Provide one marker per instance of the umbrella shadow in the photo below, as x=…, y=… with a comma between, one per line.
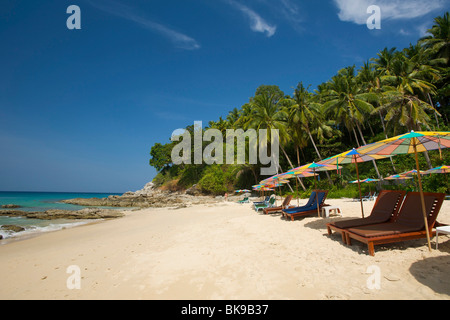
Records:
x=433, y=273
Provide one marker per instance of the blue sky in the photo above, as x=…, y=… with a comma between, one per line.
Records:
x=80, y=109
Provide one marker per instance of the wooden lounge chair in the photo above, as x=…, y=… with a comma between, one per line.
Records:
x=385, y=208
x=407, y=225
x=317, y=198
x=284, y=205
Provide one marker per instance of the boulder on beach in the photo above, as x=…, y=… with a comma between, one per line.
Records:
x=84, y=214
x=11, y=206
x=13, y=228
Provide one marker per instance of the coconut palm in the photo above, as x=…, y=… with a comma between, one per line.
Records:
x=439, y=39
x=305, y=117
x=348, y=103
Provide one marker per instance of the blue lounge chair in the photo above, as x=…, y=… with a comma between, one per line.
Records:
x=316, y=202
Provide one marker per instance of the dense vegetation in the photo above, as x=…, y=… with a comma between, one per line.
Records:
x=391, y=94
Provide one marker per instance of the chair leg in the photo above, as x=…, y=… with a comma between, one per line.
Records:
x=348, y=240
x=371, y=249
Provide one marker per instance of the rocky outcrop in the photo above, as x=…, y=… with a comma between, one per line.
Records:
x=84, y=214
x=13, y=228
x=10, y=206
x=148, y=197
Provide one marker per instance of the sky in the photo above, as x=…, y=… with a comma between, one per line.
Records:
x=80, y=109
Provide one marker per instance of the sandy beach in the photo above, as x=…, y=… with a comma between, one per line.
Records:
x=221, y=251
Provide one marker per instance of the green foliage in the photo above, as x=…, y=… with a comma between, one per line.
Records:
x=161, y=156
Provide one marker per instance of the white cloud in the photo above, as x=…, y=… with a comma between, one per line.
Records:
x=179, y=39
x=356, y=10
x=257, y=23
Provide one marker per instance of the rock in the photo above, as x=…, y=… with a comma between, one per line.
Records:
x=84, y=214
x=194, y=190
x=13, y=228
x=10, y=206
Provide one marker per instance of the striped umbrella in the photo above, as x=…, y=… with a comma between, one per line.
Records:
x=352, y=156
x=442, y=169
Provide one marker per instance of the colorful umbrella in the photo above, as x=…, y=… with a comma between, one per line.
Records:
x=397, y=177
x=352, y=156
x=442, y=169
x=413, y=142
x=242, y=190
x=313, y=167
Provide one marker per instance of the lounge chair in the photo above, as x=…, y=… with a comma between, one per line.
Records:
x=385, y=208
x=266, y=199
x=407, y=225
x=245, y=200
x=284, y=205
x=317, y=198
x=269, y=204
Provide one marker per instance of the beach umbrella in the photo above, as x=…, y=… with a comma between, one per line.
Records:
x=352, y=156
x=242, y=191
x=397, y=177
x=313, y=167
x=442, y=169
x=412, y=142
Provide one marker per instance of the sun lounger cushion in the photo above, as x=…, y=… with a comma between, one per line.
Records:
x=311, y=205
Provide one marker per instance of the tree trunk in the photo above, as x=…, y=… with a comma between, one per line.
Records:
x=385, y=134
x=292, y=167
x=318, y=154
x=364, y=141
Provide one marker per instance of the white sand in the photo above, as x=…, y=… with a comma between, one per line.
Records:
x=222, y=251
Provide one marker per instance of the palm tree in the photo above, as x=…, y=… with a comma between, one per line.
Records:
x=369, y=79
x=348, y=103
x=305, y=116
x=439, y=39
x=267, y=113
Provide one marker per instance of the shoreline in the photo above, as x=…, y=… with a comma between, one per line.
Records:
x=221, y=251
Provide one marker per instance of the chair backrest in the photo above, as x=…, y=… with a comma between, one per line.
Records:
x=272, y=199
x=287, y=200
x=387, y=204
x=311, y=200
x=320, y=200
x=410, y=213
x=322, y=195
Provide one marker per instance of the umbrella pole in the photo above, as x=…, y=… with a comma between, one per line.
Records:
x=359, y=187
x=317, y=194
x=421, y=195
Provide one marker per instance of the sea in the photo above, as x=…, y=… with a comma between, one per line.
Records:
x=40, y=201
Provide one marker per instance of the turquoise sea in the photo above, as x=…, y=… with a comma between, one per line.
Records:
x=40, y=201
